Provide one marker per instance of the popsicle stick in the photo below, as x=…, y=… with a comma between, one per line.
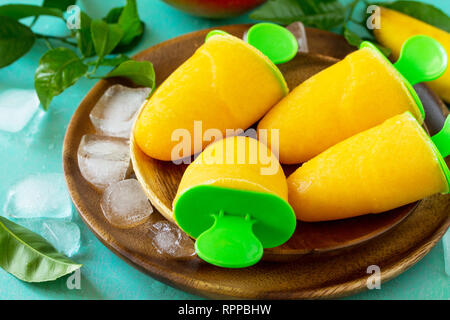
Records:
x=422, y=59
x=442, y=139
x=230, y=242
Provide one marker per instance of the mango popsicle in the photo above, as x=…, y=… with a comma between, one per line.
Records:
x=379, y=169
x=351, y=96
x=226, y=84
x=233, y=200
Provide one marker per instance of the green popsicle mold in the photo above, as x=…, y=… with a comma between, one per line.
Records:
x=440, y=144
x=421, y=59
x=275, y=41
x=215, y=32
x=233, y=226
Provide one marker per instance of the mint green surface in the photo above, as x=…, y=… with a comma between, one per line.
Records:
x=104, y=275
x=276, y=42
x=233, y=226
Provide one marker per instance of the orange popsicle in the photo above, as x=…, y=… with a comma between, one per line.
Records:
x=238, y=163
x=351, y=96
x=233, y=200
x=226, y=84
x=379, y=169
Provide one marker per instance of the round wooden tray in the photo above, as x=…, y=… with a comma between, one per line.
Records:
x=312, y=266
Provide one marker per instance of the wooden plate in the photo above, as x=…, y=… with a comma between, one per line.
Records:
x=313, y=268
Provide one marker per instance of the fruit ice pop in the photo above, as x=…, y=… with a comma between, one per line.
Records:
x=239, y=163
x=226, y=84
x=379, y=169
x=233, y=200
x=353, y=95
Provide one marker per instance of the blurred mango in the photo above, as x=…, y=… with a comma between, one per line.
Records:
x=396, y=28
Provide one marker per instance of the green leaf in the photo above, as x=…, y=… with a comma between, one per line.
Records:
x=84, y=37
x=130, y=23
x=323, y=14
x=58, y=69
x=125, y=48
x=19, y=11
x=140, y=72
x=113, y=15
x=105, y=37
x=30, y=257
x=422, y=11
x=59, y=4
x=352, y=38
x=16, y=39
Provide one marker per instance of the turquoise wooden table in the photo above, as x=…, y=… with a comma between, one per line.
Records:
x=39, y=147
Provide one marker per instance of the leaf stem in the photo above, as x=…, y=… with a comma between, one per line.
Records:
x=49, y=45
x=33, y=22
x=62, y=39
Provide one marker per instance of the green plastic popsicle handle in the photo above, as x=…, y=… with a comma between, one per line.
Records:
x=232, y=226
x=442, y=139
x=230, y=242
x=422, y=58
x=274, y=41
x=213, y=33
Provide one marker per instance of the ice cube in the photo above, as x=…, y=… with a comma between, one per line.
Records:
x=103, y=160
x=169, y=240
x=17, y=107
x=114, y=113
x=298, y=30
x=39, y=196
x=63, y=235
x=125, y=204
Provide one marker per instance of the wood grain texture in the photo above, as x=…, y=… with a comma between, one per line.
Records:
x=311, y=267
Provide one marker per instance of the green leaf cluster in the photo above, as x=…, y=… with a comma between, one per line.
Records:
x=330, y=14
x=93, y=43
x=322, y=14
